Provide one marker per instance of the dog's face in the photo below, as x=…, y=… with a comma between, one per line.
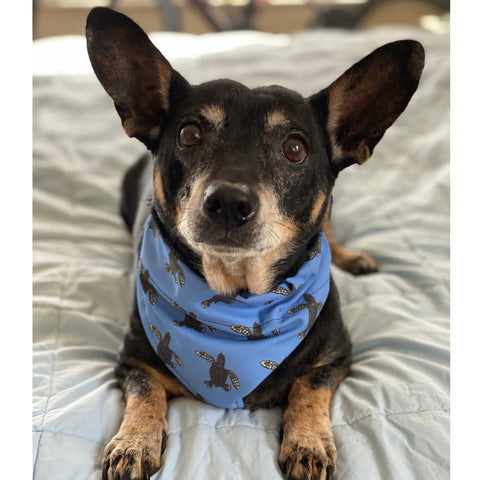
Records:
x=244, y=176
x=242, y=172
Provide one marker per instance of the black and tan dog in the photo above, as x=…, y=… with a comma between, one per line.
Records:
x=241, y=191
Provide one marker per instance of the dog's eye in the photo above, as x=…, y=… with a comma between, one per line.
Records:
x=190, y=135
x=294, y=150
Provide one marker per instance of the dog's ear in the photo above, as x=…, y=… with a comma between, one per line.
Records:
x=361, y=104
x=132, y=71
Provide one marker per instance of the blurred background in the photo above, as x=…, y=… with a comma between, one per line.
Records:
x=64, y=17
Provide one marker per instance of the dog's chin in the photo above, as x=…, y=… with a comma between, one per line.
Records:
x=231, y=249
x=230, y=246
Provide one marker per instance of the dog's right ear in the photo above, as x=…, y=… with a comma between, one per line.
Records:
x=132, y=71
x=363, y=102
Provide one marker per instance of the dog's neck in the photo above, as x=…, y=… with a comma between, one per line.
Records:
x=229, y=275
x=254, y=274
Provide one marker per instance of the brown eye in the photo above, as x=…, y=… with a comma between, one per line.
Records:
x=294, y=150
x=190, y=135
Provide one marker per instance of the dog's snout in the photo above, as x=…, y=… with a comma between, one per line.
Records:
x=230, y=205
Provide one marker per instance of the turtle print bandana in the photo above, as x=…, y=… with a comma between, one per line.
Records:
x=222, y=347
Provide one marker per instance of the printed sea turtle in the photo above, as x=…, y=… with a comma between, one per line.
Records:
x=291, y=288
x=254, y=333
x=270, y=364
x=190, y=320
x=153, y=227
x=174, y=268
x=313, y=308
x=146, y=285
x=219, y=298
x=163, y=349
x=218, y=372
x=316, y=250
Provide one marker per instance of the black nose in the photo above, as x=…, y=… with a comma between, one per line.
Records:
x=229, y=205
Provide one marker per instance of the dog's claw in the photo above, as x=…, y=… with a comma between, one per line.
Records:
x=132, y=457
x=308, y=458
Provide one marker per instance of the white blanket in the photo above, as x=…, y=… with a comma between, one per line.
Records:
x=390, y=417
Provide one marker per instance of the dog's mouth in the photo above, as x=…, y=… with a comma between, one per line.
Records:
x=232, y=221
x=250, y=240
x=233, y=245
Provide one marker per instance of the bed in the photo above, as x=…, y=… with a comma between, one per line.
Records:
x=390, y=417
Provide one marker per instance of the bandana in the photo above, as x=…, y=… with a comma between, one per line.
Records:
x=222, y=347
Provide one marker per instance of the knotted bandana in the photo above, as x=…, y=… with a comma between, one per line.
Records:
x=222, y=347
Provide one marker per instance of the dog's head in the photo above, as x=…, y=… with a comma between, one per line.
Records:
x=244, y=176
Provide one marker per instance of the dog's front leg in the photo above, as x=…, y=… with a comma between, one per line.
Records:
x=308, y=449
x=134, y=453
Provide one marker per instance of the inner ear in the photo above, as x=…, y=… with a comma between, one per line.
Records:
x=132, y=71
x=362, y=103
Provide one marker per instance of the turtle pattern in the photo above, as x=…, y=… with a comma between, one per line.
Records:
x=291, y=288
x=163, y=350
x=218, y=373
x=153, y=227
x=175, y=269
x=220, y=376
x=313, y=308
x=219, y=298
x=270, y=364
x=253, y=333
x=316, y=250
x=146, y=285
x=190, y=320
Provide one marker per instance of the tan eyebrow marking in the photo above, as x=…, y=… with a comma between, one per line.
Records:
x=214, y=114
x=276, y=119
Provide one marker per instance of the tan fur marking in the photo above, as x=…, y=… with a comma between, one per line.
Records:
x=317, y=207
x=186, y=218
x=335, y=102
x=352, y=261
x=171, y=384
x=307, y=432
x=157, y=180
x=301, y=395
x=142, y=410
x=224, y=277
x=139, y=121
x=144, y=426
x=165, y=75
x=335, y=107
x=214, y=114
x=362, y=153
x=276, y=119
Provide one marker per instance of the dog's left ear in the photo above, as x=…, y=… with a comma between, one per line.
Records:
x=132, y=70
x=361, y=104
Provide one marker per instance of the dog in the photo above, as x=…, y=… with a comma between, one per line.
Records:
x=229, y=212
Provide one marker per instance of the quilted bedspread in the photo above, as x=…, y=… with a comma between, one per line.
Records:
x=390, y=417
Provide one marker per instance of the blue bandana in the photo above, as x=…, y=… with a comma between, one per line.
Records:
x=222, y=347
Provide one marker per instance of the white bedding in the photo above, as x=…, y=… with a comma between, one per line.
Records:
x=390, y=417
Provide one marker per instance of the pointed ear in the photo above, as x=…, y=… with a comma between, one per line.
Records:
x=361, y=104
x=132, y=71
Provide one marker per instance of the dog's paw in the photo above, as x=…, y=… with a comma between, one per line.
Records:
x=308, y=457
x=133, y=457
x=355, y=262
